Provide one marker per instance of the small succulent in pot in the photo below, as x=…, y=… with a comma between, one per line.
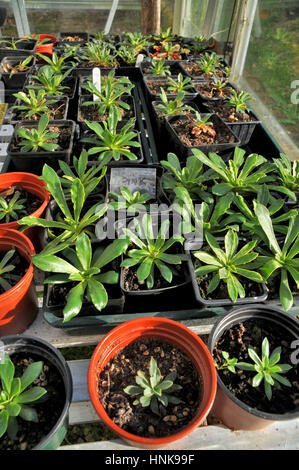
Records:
x=156, y=391
x=37, y=139
x=17, y=395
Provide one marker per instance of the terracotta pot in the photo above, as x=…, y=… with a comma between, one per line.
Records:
x=166, y=330
x=231, y=411
x=34, y=185
x=19, y=305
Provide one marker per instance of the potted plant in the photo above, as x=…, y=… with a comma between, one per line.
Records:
x=22, y=194
x=14, y=46
x=81, y=275
x=225, y=274
x=36, y=393
x=155, y=264
x=19, y=305
x=54, y=83
x=96, y=54
x=15, y=70
x=235, y=112
x=205, y=132
x=41, y=142
x=171, y=86
x=31, y=106
x=113, y=143
x=180, y=408
x=257, y=381
x=206, y=67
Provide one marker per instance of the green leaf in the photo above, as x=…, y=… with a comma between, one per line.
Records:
x=97, y=293
x=3, y=422
x=31, y=395
x=52, y=263
x=133, y=390
x=78, y=197
x=29, y=414
x=31, y=374
x=83, y=250
x=74, y=302
x=7, y=371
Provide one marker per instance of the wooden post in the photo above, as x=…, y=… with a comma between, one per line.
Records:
x=151, y=16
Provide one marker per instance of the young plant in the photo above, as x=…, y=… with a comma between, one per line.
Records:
x=110, y=96
x=219, y=84
x=12, y=209
x=136, y=41
x=191, y=177
x=100, y=54
x=267, y=368
x=50, y=81
x=71, y=221
x=131, y=202
x=151, y=253
x=158, y=68
x=87, y=176
x=210, y=63
x=179, y=84
x=85, y=269
x=58, y=64
x=228, y=265
x=34, y=104
x=172, y=107
x=109, y=142
x=164, y=36
x=212, y=217
x=155, y=391
x=12, y=43
x=202, y=125
x=228, y=363
x=239, y=174
x=283, y=261
x=17, y=395
x=6, y=275
x=39, y=138
x=22, y=66
x=239, y=101
x=167, y=50
x=288, y=172
x=128, y=54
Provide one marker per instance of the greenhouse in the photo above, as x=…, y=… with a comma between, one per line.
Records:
x=149, y=227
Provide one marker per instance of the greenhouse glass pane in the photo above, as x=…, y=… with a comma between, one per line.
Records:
x=272, y=65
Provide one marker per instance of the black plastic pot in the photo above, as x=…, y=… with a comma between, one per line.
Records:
x=203, y=98
x=45, y=351
x=159, y=123
x=242, y=130
x=220, y=302
x=33, y=162
x=175, y=69
x=61, y=101
x=231, y=411
x=17, y=80
x=183, y=150
x=24, y=47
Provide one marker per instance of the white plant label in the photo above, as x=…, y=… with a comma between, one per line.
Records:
x=139, y=60
x=96, y=80
x=135, y=179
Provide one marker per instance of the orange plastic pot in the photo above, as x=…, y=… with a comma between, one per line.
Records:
x=19, y=305
x=166, y=330
x=34, y=185
x=46, y=48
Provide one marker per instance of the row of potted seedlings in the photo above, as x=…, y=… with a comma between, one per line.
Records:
x=236, y=243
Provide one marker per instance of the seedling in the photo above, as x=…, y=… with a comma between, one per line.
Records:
x=267, y=368
x=202, y=125
x=35, y=104
x=6, y=275
x=172, y=107
x=84, y=268
x=13, y=209
x=155, y=391
x=17, y=396
x=36, y=139
x=131, y=202
x=179, y=84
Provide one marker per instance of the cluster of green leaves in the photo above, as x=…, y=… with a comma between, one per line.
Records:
x=168, y=107
x=17, y=395
x=6, y=270
x=12, y=209
x=34, y=104
x=35, y=139
x=111, y=142
x=99, y=53
x=267, y=368
x=51, y=81
x=152, y=251
x=157, y=68
x=82, y=267
x=155, y=391
x=131, y=202
x=110, y=95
